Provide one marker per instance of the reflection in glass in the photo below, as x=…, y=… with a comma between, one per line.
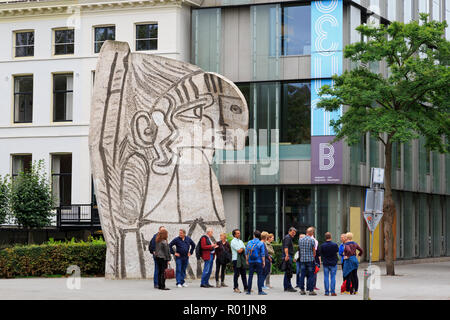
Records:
x=146, y=37
x=296, y=113
x=296, y=30
x=101, y=35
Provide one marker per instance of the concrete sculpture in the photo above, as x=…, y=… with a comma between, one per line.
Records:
x=155, y=124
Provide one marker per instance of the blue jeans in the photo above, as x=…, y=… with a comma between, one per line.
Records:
x=307, y=270
x=155, y=274
x=287, y=281
x=255, y=267
x=181, y=263
x=207, y=268
x=329, y=270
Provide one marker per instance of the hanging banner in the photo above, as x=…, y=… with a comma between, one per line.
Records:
x=326, y=160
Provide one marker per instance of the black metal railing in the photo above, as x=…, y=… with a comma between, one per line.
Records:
x=77, y=215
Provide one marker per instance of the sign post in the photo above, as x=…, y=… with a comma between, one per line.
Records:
x=373, y=212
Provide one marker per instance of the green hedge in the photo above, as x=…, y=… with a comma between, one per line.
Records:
x=53, y=258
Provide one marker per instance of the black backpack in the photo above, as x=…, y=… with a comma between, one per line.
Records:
x=198, y=248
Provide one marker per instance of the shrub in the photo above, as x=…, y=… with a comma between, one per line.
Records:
x=31, y=198
x=5, y=194
x=53, y=258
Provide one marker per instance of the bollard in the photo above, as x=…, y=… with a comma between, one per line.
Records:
x=366, y=285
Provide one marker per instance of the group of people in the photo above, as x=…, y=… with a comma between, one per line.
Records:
x=258, y=256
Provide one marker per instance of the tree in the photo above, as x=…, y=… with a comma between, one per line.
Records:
x=31, y=198
x=412, y=101
x=5, y=194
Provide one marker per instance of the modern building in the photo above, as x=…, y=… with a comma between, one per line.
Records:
x=279, y=53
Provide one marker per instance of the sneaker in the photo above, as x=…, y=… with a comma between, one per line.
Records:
x=265, y=288
x=164, y=289
x=237, y=290
x=179, y=286
x=185, y=285
x=302, y=292
x=248, y=292
x=356, y=292
x=223, y=285
x=203, y=286
x=209, y=286
x=346, y=292
x=327, y=294
x=316, y=289
x=290, y=290
x=312, y=293
x=262, y=293
x=333, y=294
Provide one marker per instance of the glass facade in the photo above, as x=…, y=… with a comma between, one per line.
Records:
x=206, y=38
x=296, y=30
x=276, y=209
x=279, y=33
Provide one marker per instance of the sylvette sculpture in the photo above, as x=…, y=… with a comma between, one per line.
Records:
x=155, y=125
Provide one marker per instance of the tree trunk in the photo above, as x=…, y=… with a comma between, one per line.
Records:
x=389, y=212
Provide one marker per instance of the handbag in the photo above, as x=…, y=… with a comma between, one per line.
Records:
x=169, y=273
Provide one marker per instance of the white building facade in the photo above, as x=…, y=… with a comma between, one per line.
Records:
x=48, y=56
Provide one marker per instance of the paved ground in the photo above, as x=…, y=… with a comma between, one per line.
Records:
x=414, y=281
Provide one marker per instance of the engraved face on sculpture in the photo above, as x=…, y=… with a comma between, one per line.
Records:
x=155, y=124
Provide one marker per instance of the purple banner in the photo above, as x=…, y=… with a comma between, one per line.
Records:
x=326, y=160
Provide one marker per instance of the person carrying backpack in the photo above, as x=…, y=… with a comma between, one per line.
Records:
x=255, y=256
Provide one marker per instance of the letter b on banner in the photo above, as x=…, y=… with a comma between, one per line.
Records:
x=326, y=159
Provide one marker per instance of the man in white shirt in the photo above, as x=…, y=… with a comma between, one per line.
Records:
x=238, y=259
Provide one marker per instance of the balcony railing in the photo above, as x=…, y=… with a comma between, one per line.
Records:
x=77, y=215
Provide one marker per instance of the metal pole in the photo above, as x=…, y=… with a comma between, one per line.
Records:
x=366, y=271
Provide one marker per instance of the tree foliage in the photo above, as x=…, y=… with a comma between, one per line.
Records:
x=31, y=198
x=5, y=194
x=412, y=100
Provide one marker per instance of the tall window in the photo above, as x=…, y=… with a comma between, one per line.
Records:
x=23, y=99
x=295, y=127
x=296, y=30
x=21, y=163
x=64, y=41
x=62, y=178
x=24, y=44
x=146, y=37
x=102, y=34
x=62, y=97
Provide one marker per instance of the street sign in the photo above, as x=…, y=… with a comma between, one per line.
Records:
x=376, y=177
x=372, y=220
x=374, y=200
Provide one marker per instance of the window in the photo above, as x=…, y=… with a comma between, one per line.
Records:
x=102, y=34
x=23, y=99
x=62, y=97
x=24, y=44
x=295, y=127
x=21, y=163
x=296, y=30
x=146, y=37
x=62, y=178
x=64, y=41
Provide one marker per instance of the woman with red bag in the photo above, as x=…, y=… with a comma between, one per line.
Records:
x=162, y=255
